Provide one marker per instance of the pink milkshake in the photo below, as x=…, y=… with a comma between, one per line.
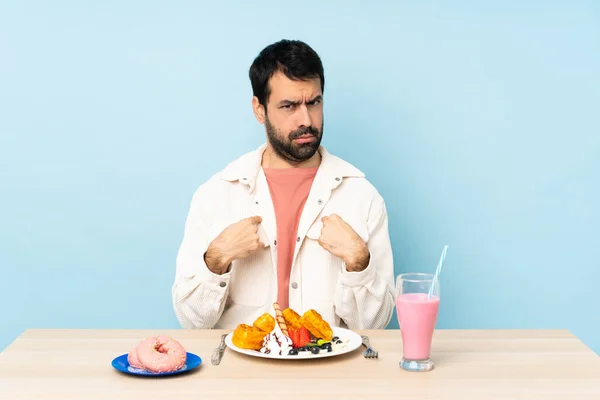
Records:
x=417, y=316
x=417, y=304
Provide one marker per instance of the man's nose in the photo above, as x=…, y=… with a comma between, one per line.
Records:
x=303, y=116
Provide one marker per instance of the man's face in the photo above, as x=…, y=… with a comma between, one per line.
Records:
x=294, y=117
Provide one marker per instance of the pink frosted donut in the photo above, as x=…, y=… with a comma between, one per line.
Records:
x=161, y=354
x=133, y=359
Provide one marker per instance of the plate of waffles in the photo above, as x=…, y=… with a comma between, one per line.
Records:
x=290, y=336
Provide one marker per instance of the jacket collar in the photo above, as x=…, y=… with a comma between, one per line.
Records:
x=246, y=168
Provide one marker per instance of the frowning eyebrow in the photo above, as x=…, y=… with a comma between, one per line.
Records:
x=284, y=103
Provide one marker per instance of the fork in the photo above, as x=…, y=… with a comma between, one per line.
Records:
x=369, y=353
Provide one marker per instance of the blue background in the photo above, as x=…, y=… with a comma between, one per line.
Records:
x=479, y=124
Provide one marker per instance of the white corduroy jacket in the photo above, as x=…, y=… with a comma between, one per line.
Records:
x=318, y=279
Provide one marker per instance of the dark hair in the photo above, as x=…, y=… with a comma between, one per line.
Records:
x=296, y=59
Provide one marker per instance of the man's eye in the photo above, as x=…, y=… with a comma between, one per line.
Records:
x=315, y=102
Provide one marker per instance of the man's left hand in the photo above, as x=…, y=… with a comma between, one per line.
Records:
x=338, y=238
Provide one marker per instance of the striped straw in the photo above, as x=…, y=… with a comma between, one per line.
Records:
x=437, y=271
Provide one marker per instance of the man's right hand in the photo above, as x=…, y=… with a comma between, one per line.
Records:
x=237, y=241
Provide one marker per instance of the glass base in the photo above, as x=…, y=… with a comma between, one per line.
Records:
x=417, y=365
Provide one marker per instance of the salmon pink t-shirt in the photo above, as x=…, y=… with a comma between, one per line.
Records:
x=289, y=189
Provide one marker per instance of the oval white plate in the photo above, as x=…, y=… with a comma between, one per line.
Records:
x=352, y=340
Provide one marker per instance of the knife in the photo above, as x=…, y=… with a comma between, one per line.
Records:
x=218, y=352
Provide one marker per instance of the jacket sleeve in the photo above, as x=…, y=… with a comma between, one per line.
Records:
x=199, y=295
x=365, y=299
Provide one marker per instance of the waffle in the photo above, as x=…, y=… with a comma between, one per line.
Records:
x=248, y=337
x=292, y=319
x=265, y=323
x=316, y=325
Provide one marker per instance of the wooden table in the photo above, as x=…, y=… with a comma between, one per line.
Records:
x=76, y=364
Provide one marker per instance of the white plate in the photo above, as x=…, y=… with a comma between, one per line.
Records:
x=351, y=339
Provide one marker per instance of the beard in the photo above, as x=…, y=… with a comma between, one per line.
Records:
x=287, y=149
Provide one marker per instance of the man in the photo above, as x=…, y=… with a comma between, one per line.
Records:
x=288, y=222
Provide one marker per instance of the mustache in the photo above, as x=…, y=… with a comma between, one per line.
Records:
x=310, y=130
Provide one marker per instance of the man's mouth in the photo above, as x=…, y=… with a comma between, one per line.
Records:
x=305, y=139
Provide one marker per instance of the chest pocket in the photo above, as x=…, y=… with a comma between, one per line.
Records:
x=251, y=277
x=320, y=268
x=360, y=227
